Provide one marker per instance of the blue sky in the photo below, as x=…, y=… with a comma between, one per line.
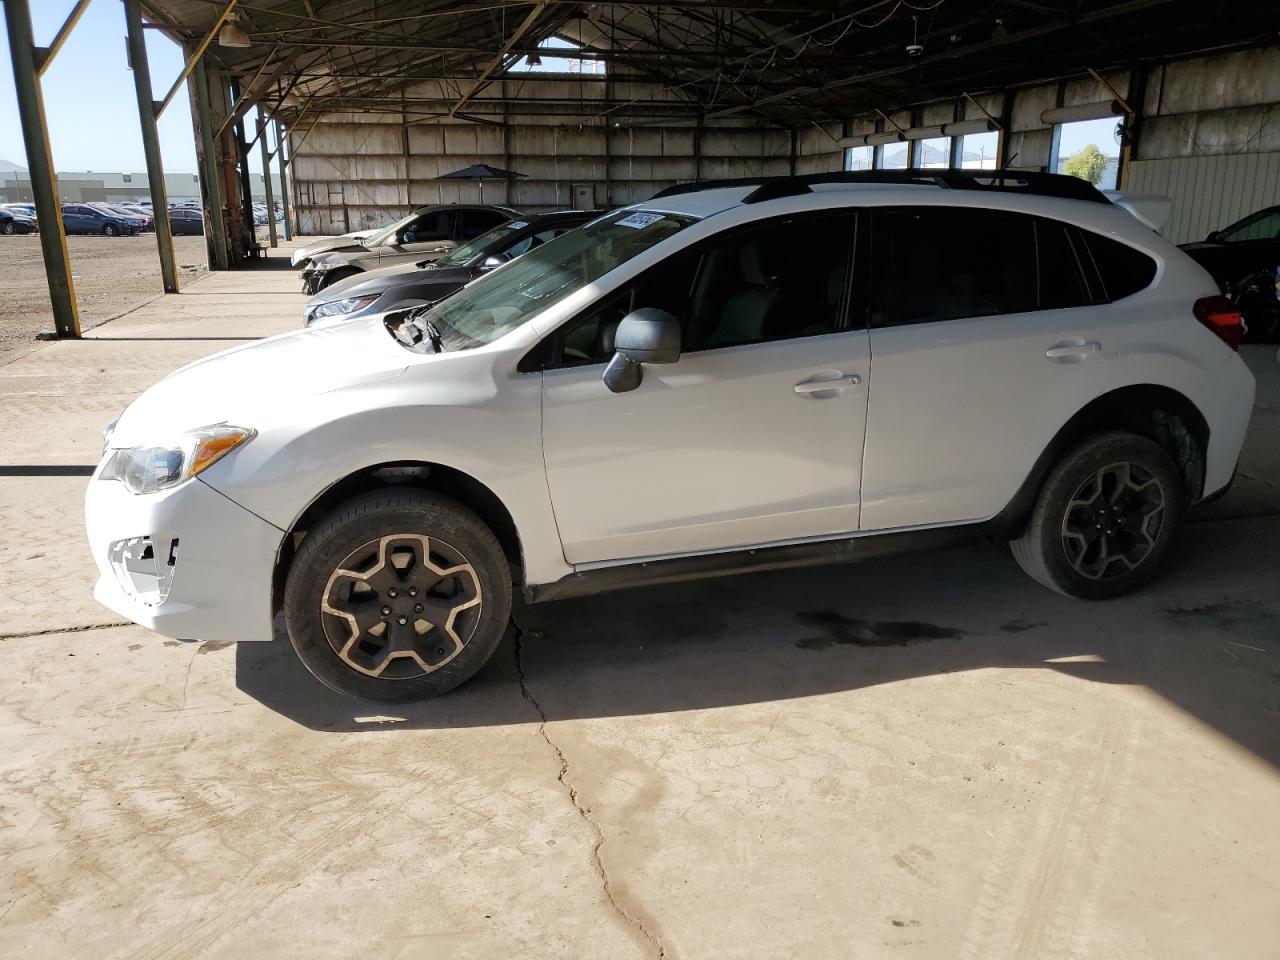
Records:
x=89, y=98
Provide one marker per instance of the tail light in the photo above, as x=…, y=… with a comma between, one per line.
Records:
x=1222, y=317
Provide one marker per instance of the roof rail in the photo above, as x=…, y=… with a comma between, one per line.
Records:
x=697, y=186
x=1015, y=181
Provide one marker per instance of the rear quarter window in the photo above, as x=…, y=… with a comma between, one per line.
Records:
x=1122, y=269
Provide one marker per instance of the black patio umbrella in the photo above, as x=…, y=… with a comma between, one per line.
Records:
x=482, y=172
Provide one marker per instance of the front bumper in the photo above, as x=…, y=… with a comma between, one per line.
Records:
x=187, y=562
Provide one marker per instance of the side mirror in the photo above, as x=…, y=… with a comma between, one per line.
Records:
x=647, y=335
x=1213, y=237
x=490, y=263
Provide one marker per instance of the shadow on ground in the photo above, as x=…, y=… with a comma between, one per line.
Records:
x=1205, y=638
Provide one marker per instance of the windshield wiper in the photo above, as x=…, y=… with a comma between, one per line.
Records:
x=426, y=325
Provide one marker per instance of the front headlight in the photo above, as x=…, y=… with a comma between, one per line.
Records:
x=152, y=468
x=335, y=307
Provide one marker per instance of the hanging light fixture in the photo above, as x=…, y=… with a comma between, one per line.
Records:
x=232, y=35
x=534, y=60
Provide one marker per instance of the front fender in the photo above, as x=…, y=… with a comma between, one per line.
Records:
x=457, y=418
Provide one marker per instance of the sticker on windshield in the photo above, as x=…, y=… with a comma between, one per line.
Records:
x=639, y=220
x=517, y=225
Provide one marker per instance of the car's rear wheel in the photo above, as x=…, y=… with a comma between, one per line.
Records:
x=7, y=228
x=1105, y=518
x=109, y=230
x=397, y=595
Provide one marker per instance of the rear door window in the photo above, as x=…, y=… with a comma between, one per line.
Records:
x=944, y=263
x=1061, y=277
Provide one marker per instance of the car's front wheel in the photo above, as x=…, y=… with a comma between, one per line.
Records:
x=333, y=276
x=1105, y=518
x=397, y=595
x=109, y=230
x=7, y=228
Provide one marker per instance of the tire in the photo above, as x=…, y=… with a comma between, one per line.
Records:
x=109, y=230
x=1078, y=543
x=334, y=612
x=8, y=229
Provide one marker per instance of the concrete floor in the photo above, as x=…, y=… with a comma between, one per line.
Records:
x=926, y=756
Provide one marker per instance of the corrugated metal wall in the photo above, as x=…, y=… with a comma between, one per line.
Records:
x=360, y=170
x=1209, y=137
x=1209, y=192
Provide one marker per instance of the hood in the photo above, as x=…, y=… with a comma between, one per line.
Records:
x=328, y=243
x=388, y=278
x=248, y=384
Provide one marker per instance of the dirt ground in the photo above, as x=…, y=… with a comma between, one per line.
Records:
x=112, y=275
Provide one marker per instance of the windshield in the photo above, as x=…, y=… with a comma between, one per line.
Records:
x=499, y=302
x=463, y=254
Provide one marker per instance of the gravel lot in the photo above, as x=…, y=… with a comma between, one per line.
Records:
x=112, y=276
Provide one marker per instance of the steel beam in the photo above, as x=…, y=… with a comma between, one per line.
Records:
x=284, y=181
x=137, y=44
x=215, y=224
x=44, y=181
x=266, y=180
x=45, y=55
x=194, y=59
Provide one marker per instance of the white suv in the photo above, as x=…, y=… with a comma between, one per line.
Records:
x=722, y=379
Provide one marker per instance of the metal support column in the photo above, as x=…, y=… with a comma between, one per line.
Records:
x=44, y=182
x=246, y=184
x=215, y=223
x=266, y=179
x=147, y=109
x=283, y=163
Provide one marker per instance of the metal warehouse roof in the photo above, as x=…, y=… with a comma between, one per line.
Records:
x=790, y=62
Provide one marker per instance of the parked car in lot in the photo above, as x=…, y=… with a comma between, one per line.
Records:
x=23, y=209
x=12, y=222
x=1245, y=260
x=142, y=213
x=671, y=392
x=426, y=234
x=186, y=221
x=425, y=282
x=83, y=218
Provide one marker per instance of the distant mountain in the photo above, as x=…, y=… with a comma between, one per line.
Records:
x=8, y=165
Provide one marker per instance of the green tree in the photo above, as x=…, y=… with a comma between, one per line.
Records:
x=1089, y=164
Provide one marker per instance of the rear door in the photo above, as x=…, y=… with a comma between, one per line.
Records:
x=753, y=436
x=985, y=340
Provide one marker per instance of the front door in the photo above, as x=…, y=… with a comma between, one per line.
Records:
x=753, y=436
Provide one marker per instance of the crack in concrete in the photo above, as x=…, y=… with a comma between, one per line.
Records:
x=628, y=917
x=77, y=629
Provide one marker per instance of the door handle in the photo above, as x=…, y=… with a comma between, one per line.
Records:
x=1073, y=350
x=842, y=382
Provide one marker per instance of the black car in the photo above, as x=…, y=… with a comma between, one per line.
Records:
x=83, y=218
x=12, y=222
x=414, y=284
x=186, y=221
x=1245, y=260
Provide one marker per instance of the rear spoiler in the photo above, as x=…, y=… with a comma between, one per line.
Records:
x=1150, y=209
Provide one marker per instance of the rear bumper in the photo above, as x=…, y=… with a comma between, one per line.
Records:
x=1226, y=401
x=187, y=563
